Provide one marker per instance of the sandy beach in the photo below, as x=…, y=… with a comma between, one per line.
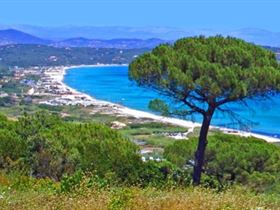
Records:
x=72, y=96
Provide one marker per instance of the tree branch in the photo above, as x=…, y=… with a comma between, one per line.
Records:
x=193, y=107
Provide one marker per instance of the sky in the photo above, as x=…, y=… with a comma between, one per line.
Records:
x=192, y=14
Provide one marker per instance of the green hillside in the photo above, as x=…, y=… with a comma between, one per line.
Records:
x=42, y=55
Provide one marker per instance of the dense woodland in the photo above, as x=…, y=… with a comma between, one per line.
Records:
x=42, y=55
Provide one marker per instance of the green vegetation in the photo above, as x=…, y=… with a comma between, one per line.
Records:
x=88, y=165
x=69, y=113
x=45, y=146
x=13, y=87
x=152, y=133
x=40, y=55
x=204, y=74
x=276, y=50
x=231, y=159
x=11, y=90
x=31, y=194
x=4, y=71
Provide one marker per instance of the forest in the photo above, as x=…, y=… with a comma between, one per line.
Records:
x=25, y=55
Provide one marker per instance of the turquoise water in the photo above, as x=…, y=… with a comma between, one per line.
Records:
x=112, y=84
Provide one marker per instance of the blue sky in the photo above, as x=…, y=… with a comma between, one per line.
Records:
x=199, y=14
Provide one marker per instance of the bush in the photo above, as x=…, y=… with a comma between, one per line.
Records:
x=231, y=159
x=157, y=174
x=51, y=148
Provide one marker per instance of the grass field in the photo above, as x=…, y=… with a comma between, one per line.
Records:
x=139, y=199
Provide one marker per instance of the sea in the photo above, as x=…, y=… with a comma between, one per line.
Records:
x=111, y=83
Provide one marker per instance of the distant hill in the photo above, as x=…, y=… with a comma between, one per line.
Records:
x=103, y=32
x=21, y=49
x=258, y=36
x=121, y=37
x=113, y=43
x=11, y=36
x=41, y=55
x=255, y=35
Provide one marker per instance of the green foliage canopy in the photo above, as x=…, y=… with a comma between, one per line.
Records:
x=232, y=159
x=202, y=72
x=49, y=147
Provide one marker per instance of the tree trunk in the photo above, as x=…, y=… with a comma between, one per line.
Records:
x=202, y=143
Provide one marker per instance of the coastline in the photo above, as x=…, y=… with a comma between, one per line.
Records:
x=56, y=75
x=125, y=110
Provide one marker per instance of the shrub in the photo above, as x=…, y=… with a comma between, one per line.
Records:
x=231, y=159
x=52, y=148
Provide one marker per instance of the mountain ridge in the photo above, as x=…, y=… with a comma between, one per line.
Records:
x=59, y=33
x=12, y=36
x=125, y=37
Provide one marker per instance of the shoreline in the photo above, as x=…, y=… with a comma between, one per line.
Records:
x=56, y=75
x=126, y=110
